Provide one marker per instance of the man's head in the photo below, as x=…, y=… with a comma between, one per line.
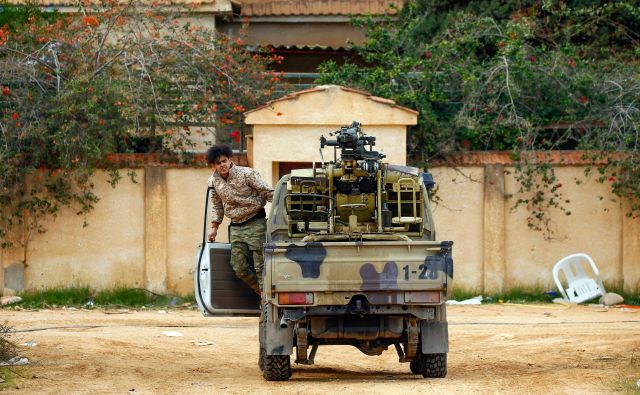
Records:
x=219, y=158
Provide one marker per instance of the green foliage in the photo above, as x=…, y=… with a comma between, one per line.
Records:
x=8, y=347
x=78, y=87
x=538, y=293
x=524, y=76
x=517, y=294
x=85, y=297
x=9, y=377
x=13, y=17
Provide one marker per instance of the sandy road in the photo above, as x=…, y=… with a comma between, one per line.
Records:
x=493, y=349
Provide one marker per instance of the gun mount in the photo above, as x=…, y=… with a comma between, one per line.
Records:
x=356, y=195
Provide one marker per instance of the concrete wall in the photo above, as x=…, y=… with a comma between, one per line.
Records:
x=493, y=247
x=145, y=234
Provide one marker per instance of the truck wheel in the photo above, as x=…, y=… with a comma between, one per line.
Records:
x=274, y=367
x=277, y=367
x=433, y=365
x=261, y=356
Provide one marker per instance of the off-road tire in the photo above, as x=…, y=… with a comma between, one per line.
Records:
x=277, y=367
x=261, y=330
x=433, y=365
x=261, y=356
x=415, y=366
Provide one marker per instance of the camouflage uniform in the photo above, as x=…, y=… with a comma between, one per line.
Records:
x=242, y=197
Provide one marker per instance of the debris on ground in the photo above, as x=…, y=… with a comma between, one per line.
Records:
x=563, y=302
x=202, y=343
x=171, y=333
x=125, y=311
x=603, y=358
x=15, y=361
x=6, y=300
x=611, y=299
x=29, y=344
x=474, y=300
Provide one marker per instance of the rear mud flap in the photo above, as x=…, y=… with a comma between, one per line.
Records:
x=279, y=341
x=434, y=336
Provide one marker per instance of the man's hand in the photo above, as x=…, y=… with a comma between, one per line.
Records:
x=212, y=234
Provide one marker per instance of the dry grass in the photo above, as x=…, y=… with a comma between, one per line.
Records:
x=8, y=348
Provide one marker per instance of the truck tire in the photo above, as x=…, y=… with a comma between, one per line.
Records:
x=261, y=356
x=433, y=365
x=277, y=367
x=274, y=367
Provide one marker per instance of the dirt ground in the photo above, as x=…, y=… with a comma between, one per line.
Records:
x=511, y=349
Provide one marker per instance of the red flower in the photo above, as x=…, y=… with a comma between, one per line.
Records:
x=572, y=63
x=3, y=37
x=235, y=135
x=532, y=58
x=6, y=90
x=101, y=122
x=15, y=116
x=90, y=21
x=583, y=99
x=428, y=54
x=612, y=179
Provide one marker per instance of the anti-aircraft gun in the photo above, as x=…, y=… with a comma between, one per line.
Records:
x=356, y=195
x=351, y=258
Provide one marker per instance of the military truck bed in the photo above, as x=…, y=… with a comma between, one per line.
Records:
x=358, y=266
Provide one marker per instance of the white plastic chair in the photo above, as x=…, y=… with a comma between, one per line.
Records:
x=580, y=287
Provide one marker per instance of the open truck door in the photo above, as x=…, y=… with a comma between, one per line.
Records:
x=217, y=289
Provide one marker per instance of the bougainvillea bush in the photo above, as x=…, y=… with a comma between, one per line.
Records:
x=77, y=87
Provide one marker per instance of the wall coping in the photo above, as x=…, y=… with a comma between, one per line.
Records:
x=136, y=161
x=556, y=158
x=471, y=158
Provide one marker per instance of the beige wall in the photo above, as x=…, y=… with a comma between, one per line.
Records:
x=145, y=234
x=109, y=252
x=493, y=247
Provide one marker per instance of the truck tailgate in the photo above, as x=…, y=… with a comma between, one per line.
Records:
x=359, y=266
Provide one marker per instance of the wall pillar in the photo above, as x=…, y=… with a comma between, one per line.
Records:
x=494, y=265
x=630, y=250
x=155, y=229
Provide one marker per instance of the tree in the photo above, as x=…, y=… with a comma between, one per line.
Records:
x=527, y=76
x=77, y=87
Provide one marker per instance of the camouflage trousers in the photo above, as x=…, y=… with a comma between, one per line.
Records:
x=246, y=245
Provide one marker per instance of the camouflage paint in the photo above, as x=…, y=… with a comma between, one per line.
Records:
x=372, y=280
x=309, y=257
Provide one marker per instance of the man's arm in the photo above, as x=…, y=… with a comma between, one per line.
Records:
x=256, y=182
x=217, y=214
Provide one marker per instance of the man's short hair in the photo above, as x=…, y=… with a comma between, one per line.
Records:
x=217, y=151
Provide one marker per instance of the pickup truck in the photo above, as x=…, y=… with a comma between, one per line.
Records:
x=351, y=258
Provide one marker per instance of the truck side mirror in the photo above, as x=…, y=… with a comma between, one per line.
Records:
x=427, y=180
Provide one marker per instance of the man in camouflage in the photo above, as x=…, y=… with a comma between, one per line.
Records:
x=240, y=194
